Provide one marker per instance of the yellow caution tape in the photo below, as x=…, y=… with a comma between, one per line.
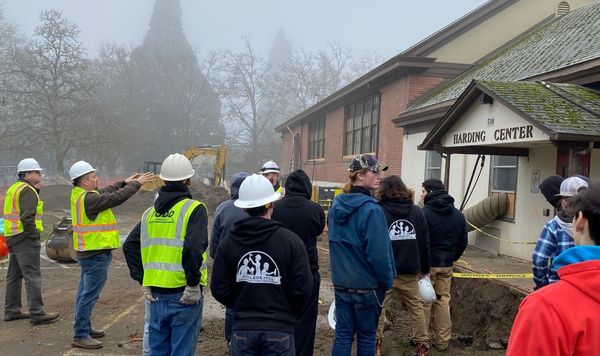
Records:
x=501, y=239
x=464, y=263
x=493, y=275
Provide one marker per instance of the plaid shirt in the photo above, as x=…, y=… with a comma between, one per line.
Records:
x=552, y=242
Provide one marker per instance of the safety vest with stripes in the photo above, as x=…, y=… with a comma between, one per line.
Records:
x=12, y=209
x=88, y=235
x=161, y=244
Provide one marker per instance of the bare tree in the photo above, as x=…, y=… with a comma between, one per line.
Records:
x=50, y=89
x=242, y=82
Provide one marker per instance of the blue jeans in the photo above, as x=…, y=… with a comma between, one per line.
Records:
x=262, y=342
x=174, y=327
x=94, y=271
x=356, y=313
x=228, y=324
x=146, y=339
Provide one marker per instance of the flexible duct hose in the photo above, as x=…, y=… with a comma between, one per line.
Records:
x=486, y=210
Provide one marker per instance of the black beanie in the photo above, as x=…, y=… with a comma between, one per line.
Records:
x=550, y=188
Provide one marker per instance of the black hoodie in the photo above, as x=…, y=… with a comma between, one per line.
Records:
x=194, y=245
x=262, y=272
x=301, y=215
x=409, y=234
x=447, y=229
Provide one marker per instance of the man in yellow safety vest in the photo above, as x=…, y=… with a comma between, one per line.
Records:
x=95, y=235
x=166, y=253
x=271, y=171
x=22, y=227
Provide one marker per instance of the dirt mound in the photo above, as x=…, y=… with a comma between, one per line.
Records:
x=209, y=195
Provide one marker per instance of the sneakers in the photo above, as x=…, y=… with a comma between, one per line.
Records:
x=16, y=316
x=421, y=350
x=95, y=334
x=87, y=343
x=45, y=318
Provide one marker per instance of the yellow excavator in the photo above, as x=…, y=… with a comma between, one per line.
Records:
x=209, y=163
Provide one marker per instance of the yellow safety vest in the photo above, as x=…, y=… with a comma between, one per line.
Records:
x=89, y=235
x=12, y=209
x=161, y=244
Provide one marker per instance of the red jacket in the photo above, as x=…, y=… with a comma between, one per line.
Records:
x=562, y=318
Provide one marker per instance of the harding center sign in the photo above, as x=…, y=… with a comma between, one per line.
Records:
x=491, y=136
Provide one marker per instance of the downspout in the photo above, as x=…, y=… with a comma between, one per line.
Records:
x=293, y=148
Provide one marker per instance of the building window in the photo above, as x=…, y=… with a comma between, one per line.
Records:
x=362, y=121
x=504, y=180
x=433, y=165
x=316, y=139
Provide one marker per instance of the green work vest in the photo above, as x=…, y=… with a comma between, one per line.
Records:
x=12, y=209
x=89, y=235
x=161, y=244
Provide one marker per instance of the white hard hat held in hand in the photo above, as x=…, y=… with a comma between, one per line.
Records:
x=256, y=191
x=426, y=291
x=176, y=167
x=28, y=165
x=79, y=169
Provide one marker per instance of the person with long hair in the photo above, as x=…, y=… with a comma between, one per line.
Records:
x=409, y=235
x=362, y=265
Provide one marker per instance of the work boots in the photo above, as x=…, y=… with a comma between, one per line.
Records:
x=96, y=333
x=16, y=316
x=44, y=318
x=87, y=343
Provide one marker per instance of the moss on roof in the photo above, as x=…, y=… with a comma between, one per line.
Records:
x=564, y=41
x=562, y=108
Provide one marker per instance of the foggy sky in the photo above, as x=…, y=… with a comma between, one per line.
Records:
x=385, y=27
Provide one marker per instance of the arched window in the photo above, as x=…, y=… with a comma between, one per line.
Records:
x=562, y=8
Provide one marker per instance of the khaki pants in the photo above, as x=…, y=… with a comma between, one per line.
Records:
x=406, y=288
x=441, y=278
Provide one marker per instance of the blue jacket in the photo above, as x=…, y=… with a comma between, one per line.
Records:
x=360, y=251
x=554, y=240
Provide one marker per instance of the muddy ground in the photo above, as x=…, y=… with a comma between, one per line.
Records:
x=482, y=310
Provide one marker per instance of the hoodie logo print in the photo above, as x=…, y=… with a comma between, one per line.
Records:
x=257, y=267
x=402, y=230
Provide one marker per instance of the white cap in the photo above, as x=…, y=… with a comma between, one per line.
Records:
x=79, y=169
x=270, y=167
x=426, y=291
x=570, y=186
x=255, y=191
x=176, y=167
x=28, y=165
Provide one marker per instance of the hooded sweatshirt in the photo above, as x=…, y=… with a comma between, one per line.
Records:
x=562, y=318
x=227, y=214
x=359, y=248
x=261, y=271
x=194, y=244
x=407, y=229
x=301, y=215
x=447, y=229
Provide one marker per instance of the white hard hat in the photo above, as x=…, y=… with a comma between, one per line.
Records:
x=176, y=167
x=27, y=165
x=79, y=169
x=256, y=190
x=270, y=167
x=426, y=291
x=331, y=315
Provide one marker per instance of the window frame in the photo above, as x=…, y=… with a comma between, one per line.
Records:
x=510, y=215
x=429, y=167
x=361, y=125
x=316, y=138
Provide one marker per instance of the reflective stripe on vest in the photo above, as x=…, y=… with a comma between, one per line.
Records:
x=161, y=243
x=88, y=235
x=12, y=210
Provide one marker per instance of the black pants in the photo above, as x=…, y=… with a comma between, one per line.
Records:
x=304, y=332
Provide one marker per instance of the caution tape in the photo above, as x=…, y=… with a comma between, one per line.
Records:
x=501, y=239
x=493, y=275
x=464, y=263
